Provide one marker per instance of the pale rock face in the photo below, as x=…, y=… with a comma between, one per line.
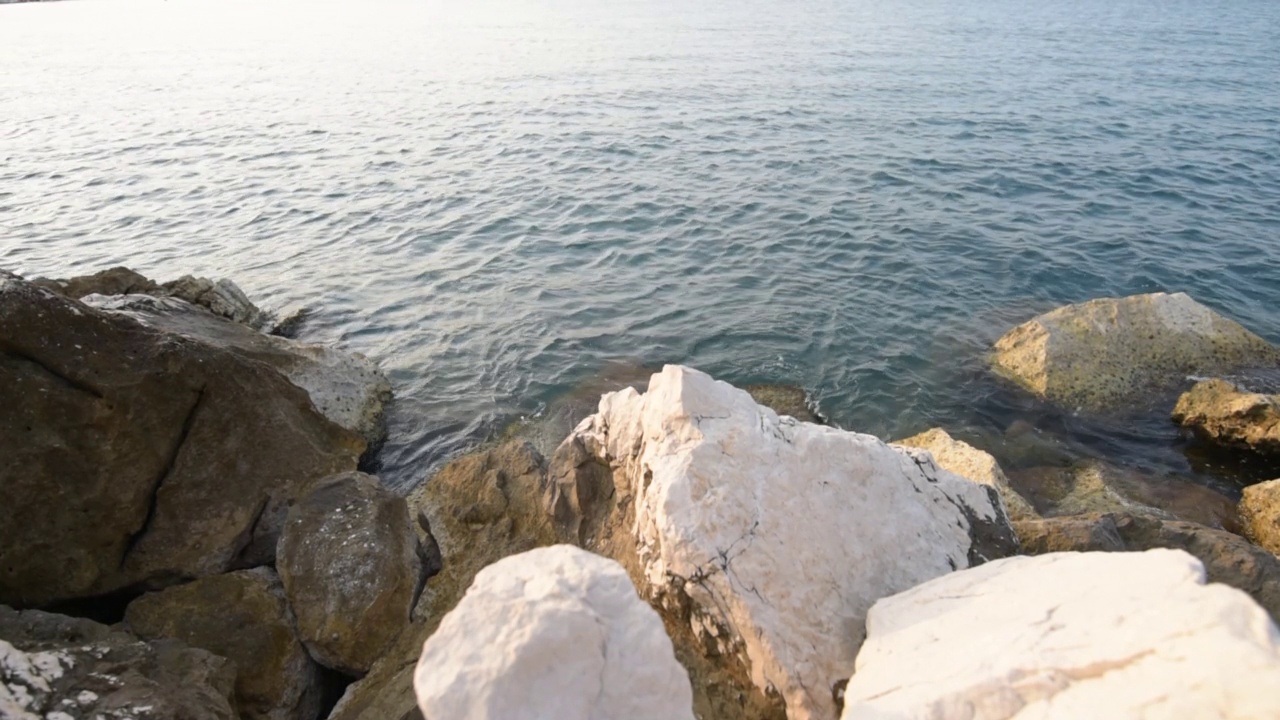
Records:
x=1068, y=635
x=781, y=533
x=1260, y=514
x=1106, y=353
x=557, y=633
x=968, y=461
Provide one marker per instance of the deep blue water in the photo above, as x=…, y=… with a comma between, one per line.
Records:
x=497, y=199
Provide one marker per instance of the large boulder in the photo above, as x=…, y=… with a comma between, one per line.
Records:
x=243, y=617
x=1260, y=514
x=54, y=667
x=556, y=632
x=968, y=461
x=1105, y=354
x=352, y=569
x=133, y=458
x=479, y=508
x=770, y=538
x=1220, y=413
x=1227, y=557
x=348, y=388
x=1091, y=486
x=1036, y=637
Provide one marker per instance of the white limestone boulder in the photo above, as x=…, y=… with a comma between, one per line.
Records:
x=1069, y=635
x=968, y=461
x=555, y=632
x=778, y=535
x=1105, y=354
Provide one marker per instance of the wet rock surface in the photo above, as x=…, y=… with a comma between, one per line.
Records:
x=54, y=667
x=242, y=616
x=1222, y=414
x=169, y=459
x=1108, y=354
x=351, y=566
x=1260, y=515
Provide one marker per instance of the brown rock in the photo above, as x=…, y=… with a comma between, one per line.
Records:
x=1096, y=486
x=785, y=400
x=1260, y=514
x=243, y=617
x=133, y=457
x=1227, y=558
x=481, y=508
x=350, y=562
x=114, y=281
x=53, y=666
x=1220, y=413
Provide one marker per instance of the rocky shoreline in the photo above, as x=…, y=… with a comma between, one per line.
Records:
x=188, y=534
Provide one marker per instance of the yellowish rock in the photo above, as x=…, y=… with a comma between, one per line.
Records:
x=968, y=461
x=1104, y=354
x=1220, y=413
x=1260, y=514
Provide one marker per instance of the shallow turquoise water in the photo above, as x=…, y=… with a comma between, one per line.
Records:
x=496, y=199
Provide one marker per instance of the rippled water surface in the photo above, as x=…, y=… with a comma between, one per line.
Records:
x=498, y=199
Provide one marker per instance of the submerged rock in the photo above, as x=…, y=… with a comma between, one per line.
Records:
x=1260, y=515
x=1105, y=354
x=348, y=388
x=785, y=400
x=556, y=632
x=242, y=616
x=54, y=667
x=1095, y=486
x=131, y=457
x=769, y=537
x=969, y=462
x=1220, y=413
x=351, y=567
x=480, y=508
x=1036, y=637
x=1227, y=557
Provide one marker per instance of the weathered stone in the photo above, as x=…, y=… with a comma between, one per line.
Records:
x=553, y=632
x=1037, y=638
x=54, y=667
x=113, y=281
x=243, y=617
x=1096, y=486
x=773, y=537
x=1260, y=514
x=133, y=457
x=970, y=462
x=1220, y=413
x=347, y=388
x=350, y=563
x=1227, y=557
x=480, y=508
x=1105, y=354
x=223, y=298
x=784, y=400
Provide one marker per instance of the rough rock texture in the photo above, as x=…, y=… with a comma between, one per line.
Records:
x=1037, y=637
x=351, y=567
x=1220, y=413
x=480, y=508
x=130, y=456
x=54, y=667
x=243, y=617
x=970, y=462
x=773, y=537
x=785, y=400
x=347, y=388
x=1227, y=557
x=555, y=632
x=1104, y=354
x=223, y=298
x=113, y=281
x=1260, y=514
x=1096, y=486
